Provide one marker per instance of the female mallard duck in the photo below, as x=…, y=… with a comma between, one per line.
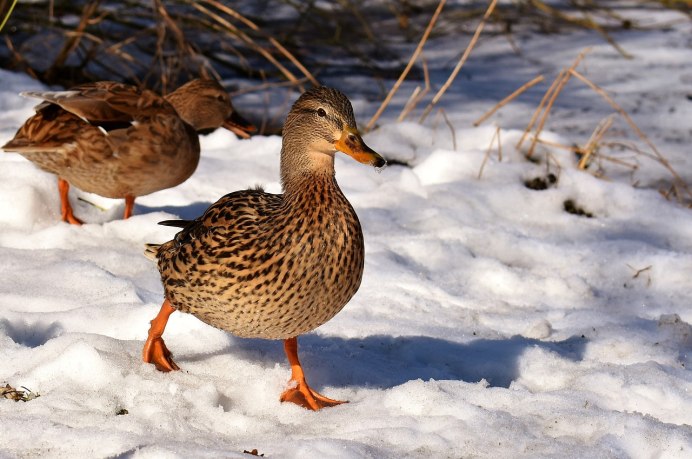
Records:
x=118, y=141
x=273, y=265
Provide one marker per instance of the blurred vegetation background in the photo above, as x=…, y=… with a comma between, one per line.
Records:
x=160, y=44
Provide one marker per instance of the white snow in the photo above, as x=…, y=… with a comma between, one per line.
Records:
x=490, y=322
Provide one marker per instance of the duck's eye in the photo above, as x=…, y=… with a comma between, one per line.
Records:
x=221, y=98
x=321, y=112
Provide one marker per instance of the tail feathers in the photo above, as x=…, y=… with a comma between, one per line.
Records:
x=16, y=145
x=50, y=95
x=151, y=251
x=23, y=145
x=176, y=223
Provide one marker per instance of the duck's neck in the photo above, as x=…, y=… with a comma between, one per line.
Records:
x=307, y=174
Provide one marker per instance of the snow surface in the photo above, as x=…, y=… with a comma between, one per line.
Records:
x=490, y=322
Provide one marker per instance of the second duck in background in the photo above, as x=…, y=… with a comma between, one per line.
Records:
x=119, y=141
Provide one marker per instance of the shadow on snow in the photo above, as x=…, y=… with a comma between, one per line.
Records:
x=187, y=212
x=384, y=361
x=30, y=335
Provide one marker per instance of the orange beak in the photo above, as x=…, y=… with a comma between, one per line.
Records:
x=352, y=144
x=239, y=125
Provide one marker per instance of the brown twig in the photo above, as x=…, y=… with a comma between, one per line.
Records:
x=248, y=40
x=267, y=85
x=586, y=22
x=539, y=109
x=496, y=135
x=677, y=180
x=417, y=94
x=509, y=98
x=451, y=128
x=231, y=12
x=551, y=100
x=19, y=59
x=407, y=69
x=73, y=40
x=461, y=62
x=592, y=144
x=549, y=143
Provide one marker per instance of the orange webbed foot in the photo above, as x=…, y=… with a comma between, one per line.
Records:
x=304, y=396
x=156, y=352
x=69, y=217
x=300, y=393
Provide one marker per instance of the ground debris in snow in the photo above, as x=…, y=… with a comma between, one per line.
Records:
x=17, y=395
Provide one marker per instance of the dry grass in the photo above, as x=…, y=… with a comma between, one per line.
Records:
x=6, y=8
x=593, y=150
x=417, y=95
x=9, y=392
x=496, y=136
x=408, y=67
x=160, y=44
x=157, y=45
x=508, y=99
x=461, y=62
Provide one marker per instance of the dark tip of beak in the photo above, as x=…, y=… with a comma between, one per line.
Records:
x=239, y=125
x=379, y=162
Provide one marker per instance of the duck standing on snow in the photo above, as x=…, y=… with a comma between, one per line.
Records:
x=118, y=141
x=273, y=266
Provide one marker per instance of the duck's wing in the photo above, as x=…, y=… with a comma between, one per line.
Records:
x=57, y=140
x=90, y=123
x=245, y=213
x=105, y=103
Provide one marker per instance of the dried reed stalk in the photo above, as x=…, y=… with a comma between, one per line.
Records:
x=231, y=12
x=19, y=59
x=677, y=180
x=561, y=82
x=573, y=149
x=487, y=152
x=539, y=109
x=5, y=15
x=509, y=98
x=551, y=100
x=618, y=161
x=417, y=94
x=592, y=144
x=411, y=61
x=267, y=85
x=451, y=128
x=587, y=23
x=409, y=104
x=73, y=40
x=249, y=41
x=461, y=62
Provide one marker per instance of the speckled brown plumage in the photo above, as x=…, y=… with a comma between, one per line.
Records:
x=118, y=141
x=267, y=266
x=275, y=266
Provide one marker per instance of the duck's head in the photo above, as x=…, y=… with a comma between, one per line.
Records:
x=320, y=123
x=205, y=105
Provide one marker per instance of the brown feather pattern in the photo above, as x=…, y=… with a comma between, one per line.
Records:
x=275, y=266
x=116, y=140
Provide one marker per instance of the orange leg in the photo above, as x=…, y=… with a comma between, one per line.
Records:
x=129, y=206
x=301, y=394
x=65, y=207
x=155, y=350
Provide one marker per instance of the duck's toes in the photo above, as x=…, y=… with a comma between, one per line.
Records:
x=156, y=352
x=69, y=217
x=304, y=396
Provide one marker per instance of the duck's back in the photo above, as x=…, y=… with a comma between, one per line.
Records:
x=261, y=265
x=110, y=139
